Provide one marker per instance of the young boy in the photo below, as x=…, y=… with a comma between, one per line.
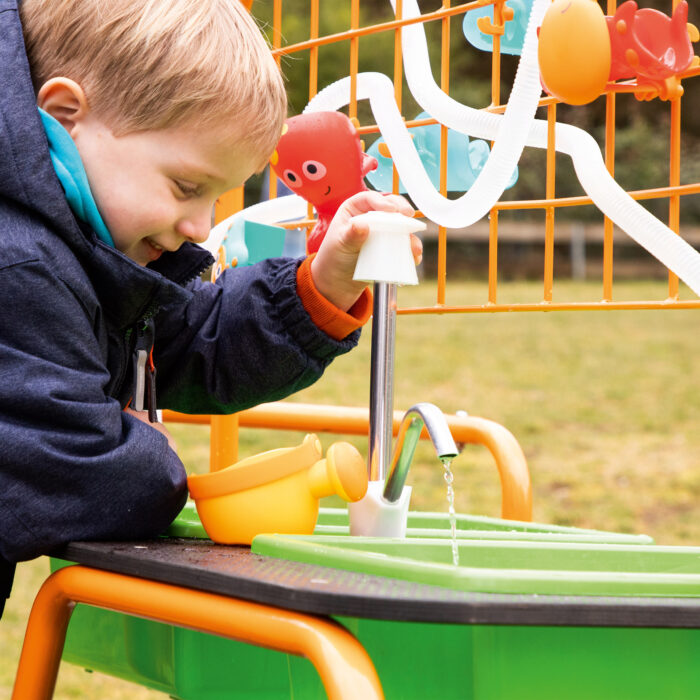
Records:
x=148, y=111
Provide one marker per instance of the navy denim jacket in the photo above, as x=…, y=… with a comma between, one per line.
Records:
x=73, y=465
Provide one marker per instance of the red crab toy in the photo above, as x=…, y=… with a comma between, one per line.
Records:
x=651, y=46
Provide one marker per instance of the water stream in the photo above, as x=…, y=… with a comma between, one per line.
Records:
x=449, y=478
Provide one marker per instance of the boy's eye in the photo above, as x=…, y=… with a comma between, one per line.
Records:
x=187, y=189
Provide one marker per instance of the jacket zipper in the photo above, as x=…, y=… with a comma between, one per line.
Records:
x=144, y=370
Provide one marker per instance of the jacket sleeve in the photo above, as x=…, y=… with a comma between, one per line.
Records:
x=73, y=466
x=242, y=341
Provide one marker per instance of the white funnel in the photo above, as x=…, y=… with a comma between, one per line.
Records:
x=386, y=254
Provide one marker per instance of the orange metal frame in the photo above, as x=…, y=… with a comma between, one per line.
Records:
x=673, y=191
x=341, y=661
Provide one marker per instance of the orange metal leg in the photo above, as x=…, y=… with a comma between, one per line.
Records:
x=224, y=442
x=345, y=668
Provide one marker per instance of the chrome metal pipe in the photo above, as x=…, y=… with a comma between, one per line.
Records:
x=381, y=390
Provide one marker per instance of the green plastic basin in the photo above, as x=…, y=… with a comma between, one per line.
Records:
x=504, y=566
x=334, y=521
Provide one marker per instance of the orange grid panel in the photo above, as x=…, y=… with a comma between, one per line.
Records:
x=674, y=191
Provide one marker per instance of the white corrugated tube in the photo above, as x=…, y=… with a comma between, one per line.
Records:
x=510, y=133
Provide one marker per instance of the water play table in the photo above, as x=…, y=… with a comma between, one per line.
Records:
x=424, y=640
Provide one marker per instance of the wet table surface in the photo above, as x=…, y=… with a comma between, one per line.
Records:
x=237, y=572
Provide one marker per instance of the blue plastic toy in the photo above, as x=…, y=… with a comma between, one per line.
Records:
x=477, y=24
x=248, y=242
x=465, y=159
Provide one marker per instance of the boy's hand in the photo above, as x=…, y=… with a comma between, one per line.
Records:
x=334, y=265
x=143, y=416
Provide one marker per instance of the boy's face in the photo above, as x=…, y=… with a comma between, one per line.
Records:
x=156, y=189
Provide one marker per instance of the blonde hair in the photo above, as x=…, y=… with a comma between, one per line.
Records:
x=153, y=64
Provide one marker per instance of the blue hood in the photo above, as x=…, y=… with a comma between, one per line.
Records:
x=71, y=174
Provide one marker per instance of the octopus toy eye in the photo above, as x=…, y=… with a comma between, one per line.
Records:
x=292, y=179
x=313, y=169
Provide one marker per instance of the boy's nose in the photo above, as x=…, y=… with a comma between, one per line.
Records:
x=195, y=228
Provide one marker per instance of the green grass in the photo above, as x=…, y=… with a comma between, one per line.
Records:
x=605, y=404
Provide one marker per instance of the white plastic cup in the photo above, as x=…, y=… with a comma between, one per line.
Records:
x=386, y=254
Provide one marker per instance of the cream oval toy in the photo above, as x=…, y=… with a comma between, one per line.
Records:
x=574, y=51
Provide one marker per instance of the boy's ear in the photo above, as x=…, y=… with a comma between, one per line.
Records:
x=64, y=100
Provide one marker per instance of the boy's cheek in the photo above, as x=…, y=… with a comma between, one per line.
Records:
x=131, y=220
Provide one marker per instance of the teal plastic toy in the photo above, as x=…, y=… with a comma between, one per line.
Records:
x=465, y=159
x=512, y=39
x=249, y=242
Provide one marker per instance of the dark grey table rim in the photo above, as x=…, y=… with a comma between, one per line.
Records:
x=237, y=572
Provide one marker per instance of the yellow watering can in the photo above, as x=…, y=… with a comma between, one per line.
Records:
x=276, y=491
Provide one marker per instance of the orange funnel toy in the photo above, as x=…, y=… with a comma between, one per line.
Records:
x=276, y=491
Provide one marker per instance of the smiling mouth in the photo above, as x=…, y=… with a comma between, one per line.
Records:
x=155, y=249
x=327, y=192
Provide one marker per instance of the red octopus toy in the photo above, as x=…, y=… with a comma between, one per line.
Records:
x=320, y=158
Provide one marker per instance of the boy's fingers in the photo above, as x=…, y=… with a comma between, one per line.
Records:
x=416, y=249
x=395, y=202
x=401, y=203
x=378, y=201
x=358, y=235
